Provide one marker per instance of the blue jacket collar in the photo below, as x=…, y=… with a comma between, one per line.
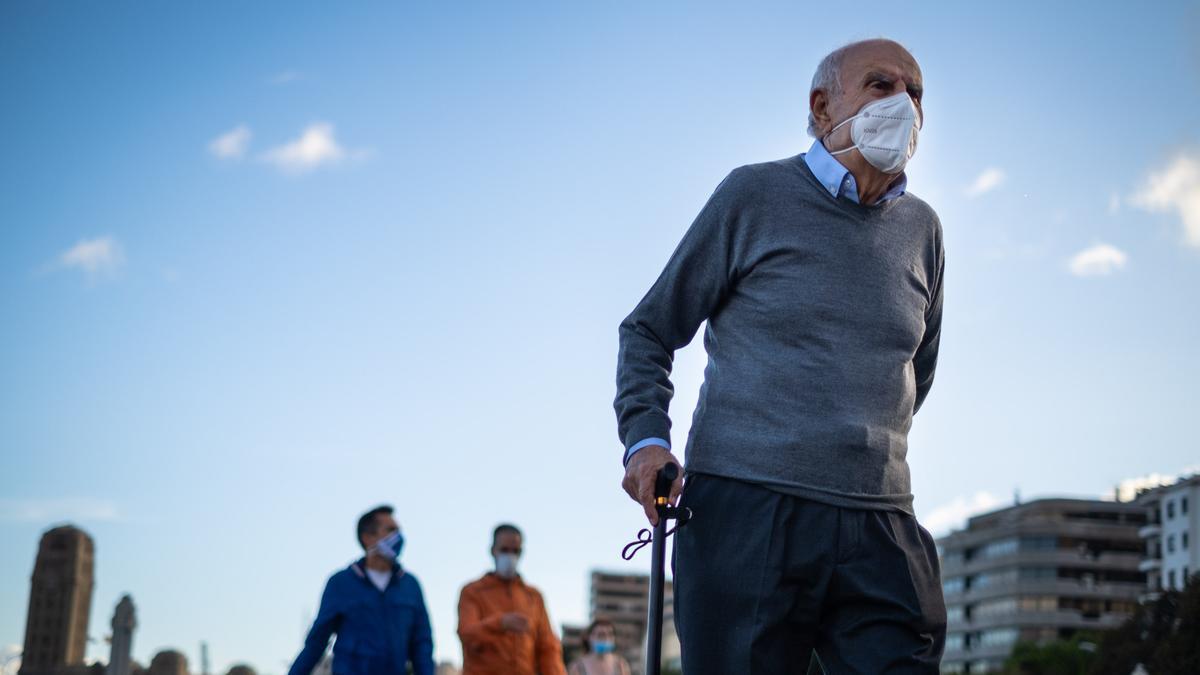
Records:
x=359, y=567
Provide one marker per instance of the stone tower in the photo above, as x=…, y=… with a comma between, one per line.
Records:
x=123, y=622
x=60, y=601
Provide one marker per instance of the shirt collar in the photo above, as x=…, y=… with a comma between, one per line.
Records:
x=838, y=180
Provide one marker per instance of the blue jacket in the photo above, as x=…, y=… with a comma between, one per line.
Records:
x=378, y=632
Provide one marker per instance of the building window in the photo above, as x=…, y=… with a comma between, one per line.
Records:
x=1183, y=505
x=998, y=548
x=1039, y=543
x=1037, y=573
x=998, y=607
x=998, y=637
x=1170, y=509
x=1038, y=603
x=1183, y=541
x=1171, y=544
x=1170, y=580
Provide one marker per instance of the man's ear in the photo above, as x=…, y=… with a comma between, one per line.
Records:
x=818, y=103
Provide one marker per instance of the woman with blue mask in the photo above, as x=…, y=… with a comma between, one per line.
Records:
x=599, y=652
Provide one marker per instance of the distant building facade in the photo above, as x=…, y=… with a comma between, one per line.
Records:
x=1169, y=536
x=624, y=600
x=60, y=602
x=1038, y=571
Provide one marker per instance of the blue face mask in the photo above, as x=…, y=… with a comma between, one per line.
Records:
x=603, y=647
x=389, y=546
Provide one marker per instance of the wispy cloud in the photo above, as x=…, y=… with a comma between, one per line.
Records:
x=989, y=180
x=1114, y=203
x=1097, y=261
x=231, y=144
x=94, y=257
x=315, y=147
x=1127, y=489
x=954, y=515
x=286, y=77
x=10, y=659
x=49, y=511
x=1175, y=187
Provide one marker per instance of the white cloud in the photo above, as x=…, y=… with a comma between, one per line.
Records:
x=1098, y=260
x=954, y=515
x=1175, y=188
x=231, y=144
x=987, y=181
x=316, y=146
x=1127, y=489
x=10, y=659
x=49, y=511
x=94, y=257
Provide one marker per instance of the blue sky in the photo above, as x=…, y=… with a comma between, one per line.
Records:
x=264, y=266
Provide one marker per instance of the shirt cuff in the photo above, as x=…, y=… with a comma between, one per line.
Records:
x=643, y=443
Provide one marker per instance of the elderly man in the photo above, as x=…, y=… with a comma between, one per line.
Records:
x=820, y=277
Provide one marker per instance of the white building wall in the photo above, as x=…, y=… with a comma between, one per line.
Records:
x=1178, y=511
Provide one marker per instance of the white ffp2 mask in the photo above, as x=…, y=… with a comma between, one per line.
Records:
x=506, y=565
x=885, y=132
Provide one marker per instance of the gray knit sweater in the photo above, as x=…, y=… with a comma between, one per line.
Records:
x=823, y=326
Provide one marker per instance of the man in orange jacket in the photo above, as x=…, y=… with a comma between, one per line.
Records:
x=502, y=622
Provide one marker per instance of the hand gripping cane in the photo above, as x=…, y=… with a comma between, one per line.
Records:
x=654, y=616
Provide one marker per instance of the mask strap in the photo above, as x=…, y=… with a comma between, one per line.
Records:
x=839, y=125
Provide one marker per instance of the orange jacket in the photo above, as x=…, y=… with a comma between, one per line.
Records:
x=488, y=649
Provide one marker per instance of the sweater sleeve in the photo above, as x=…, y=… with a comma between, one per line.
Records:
x=925, y=359
x=693, y=285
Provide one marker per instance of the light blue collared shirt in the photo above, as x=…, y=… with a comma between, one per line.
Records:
x=838, y=179
x=840, y=183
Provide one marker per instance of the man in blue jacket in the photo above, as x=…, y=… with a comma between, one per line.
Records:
x=375, y=607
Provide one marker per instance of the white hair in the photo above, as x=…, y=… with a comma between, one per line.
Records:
x=828, y=77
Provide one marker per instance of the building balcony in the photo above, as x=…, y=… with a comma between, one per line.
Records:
x=1151, y=530
x=1072, y=587
x=1120, y=560
x=1150, y=565
x=999, y=652
x=1060, y=618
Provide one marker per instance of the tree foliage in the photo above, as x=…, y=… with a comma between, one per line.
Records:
x=1163, y=635
x=1061, y=657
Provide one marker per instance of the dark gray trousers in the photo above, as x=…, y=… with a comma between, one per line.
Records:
x=763, y=578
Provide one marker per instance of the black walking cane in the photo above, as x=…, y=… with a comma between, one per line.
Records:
x=658, y=553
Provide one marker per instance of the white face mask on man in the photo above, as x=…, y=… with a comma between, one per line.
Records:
x=506, y=565
x=885, y=132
